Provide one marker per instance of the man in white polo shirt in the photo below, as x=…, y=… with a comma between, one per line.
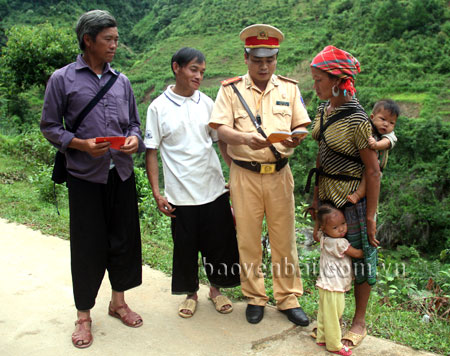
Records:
x=195, y=196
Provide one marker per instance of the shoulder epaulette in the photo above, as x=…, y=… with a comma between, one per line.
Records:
x=288, y=79
x=231, y=80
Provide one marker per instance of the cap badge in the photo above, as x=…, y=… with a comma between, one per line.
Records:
x=262, y=35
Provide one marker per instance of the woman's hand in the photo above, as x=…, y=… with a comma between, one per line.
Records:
x=314, y=207
x=372, y=174
x=371, y=232
x=316, y=232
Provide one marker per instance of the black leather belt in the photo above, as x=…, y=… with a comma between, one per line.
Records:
x=263, y=168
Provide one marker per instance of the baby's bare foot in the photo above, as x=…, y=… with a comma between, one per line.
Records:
x=353, y=198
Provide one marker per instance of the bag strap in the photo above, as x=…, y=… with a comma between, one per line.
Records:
x=255, y=122
x=331, y=121
x=319, y=171
x=94, y=102
x=334, y=118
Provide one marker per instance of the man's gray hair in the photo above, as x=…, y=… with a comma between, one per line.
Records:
x=92, y=23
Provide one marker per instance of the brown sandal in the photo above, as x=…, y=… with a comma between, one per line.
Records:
x=79, y=337
x=354, y=338
x=130, y=319
x=221, y=301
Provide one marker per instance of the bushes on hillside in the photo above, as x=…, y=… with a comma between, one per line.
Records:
x=28, y=59
x=415, y=202
x=33, y=53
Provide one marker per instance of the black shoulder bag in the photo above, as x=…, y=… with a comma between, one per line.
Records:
x=59, y=174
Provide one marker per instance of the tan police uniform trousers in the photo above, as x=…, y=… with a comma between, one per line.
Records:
x=253, y=196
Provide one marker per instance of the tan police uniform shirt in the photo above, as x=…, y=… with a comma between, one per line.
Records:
x=281, y=109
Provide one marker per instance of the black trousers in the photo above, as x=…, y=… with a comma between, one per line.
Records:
x=104, y=235
x=208, y=229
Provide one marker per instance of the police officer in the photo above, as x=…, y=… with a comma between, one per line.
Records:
x=261, y=181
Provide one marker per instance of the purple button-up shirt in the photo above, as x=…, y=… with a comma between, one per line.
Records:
x=69, y=90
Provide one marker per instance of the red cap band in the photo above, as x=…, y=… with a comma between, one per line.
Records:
x=254, y=41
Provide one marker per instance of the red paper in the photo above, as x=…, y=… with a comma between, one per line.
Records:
x=115, y=141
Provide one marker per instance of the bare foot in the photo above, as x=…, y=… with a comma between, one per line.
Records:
x=214, y=292
x=354, y=198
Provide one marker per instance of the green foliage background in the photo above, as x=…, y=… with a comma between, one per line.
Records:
x=403, y=47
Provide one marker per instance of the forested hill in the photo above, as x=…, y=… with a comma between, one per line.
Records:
x=65, y=13
x=403, y=47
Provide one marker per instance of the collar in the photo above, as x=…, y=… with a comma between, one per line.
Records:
x=81, y=64
x=273, y=82
x=180, y=100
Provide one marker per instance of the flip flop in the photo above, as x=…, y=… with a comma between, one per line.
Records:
x=356, y=339
x=220, y=301
x=188, y=304
x=345, y=351
x=131, y=319
x=78, y=337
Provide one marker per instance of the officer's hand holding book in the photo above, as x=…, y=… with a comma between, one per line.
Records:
x=255, y=141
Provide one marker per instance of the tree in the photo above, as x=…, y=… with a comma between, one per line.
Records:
x=389, y=20
x=425, y=16
x=32, y=54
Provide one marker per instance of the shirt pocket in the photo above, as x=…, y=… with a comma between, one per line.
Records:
x=242, y=121
x=282, y=117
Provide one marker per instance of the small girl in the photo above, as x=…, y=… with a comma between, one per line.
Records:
x=335, y=277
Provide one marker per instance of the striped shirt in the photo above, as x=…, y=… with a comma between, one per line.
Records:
x=348, y=135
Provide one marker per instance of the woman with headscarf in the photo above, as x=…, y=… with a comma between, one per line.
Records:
x=342, y=129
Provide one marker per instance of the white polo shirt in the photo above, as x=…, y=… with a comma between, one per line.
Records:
x=178, y=127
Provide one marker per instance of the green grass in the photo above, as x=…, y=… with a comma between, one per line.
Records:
x=21, y=202
x=406, y=327
x=157, y=249
x=410, y=97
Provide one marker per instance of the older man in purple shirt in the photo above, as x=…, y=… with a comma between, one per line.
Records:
x=104, y=220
